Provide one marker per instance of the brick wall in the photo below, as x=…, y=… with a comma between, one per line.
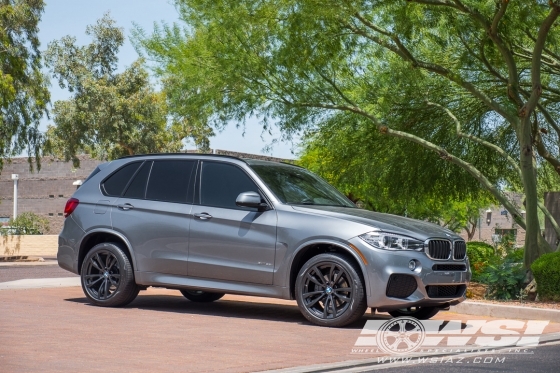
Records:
x=43, y=192
x=40, y=245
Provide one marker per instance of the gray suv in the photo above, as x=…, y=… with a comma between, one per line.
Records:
x=208, y=225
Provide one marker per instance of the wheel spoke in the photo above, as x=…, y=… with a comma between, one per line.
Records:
x=113, y=282
x=342, y=298
x=112, y=263
x=326, y=308
x=115, y=275
x=314, y=280
x=348, y=290
x=311, y=293
x=96, y=265
x=90, y=284
x=107, y=261
x=333, y=302
x=106, y=288
x=99, y=261
x=320, y=274
x=313, y=302
x=332, y=273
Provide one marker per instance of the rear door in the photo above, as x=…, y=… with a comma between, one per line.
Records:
x=153, y=213
x=228, y=242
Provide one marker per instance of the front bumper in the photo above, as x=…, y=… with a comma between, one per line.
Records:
x=384, y=263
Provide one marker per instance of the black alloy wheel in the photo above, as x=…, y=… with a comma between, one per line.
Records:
x=107, y=276
x=201, y=296
x=330, y=291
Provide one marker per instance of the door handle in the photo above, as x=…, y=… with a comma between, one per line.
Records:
x=125, y=207
x=203, y=216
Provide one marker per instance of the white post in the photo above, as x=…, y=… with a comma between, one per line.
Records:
x=15, y=178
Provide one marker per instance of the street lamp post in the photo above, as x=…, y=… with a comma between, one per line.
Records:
x=15, y=178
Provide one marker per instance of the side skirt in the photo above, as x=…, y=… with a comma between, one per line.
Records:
x=180, y=282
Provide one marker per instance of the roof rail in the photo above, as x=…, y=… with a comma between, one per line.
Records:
x=183, y=154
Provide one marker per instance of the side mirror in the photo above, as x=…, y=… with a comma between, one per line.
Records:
x=250, y=199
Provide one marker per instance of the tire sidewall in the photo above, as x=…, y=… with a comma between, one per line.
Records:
x=358, y=292
x=125, y=272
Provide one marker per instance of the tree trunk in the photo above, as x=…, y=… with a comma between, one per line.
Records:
x=534, y=247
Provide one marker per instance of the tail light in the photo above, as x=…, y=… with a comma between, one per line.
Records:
x=71, y=205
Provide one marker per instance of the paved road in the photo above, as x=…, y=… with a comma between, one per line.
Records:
x=12, y=273
x=542, y=359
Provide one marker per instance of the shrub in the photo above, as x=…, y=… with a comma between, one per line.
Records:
x=480, y=254
x=504, y=277
x=546, y=270
x=26, y=223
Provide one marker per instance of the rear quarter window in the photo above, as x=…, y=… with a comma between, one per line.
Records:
x=114, y=185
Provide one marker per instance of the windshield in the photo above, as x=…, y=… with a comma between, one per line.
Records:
x=297, y=186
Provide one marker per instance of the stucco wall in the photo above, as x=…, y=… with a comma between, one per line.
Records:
x=39, y=245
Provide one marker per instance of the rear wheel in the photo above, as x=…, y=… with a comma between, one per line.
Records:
x=107, y=276
x=201, y=296
x=421, y=313
x=330, y=291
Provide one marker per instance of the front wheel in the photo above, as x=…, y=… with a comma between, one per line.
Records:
x=107, y=276
x=330, y=291
x=201, y=296
x=421, y=313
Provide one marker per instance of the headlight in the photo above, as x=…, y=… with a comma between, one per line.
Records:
x=391, y=241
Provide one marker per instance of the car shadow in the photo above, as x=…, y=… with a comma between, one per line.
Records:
x=229, y=308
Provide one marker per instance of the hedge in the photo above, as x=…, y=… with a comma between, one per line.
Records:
x=546, y=270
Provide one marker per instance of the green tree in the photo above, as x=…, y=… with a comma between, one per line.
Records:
x=110, y=114
x=23, y=88
x=484, y=71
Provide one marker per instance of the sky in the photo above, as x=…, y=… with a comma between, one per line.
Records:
x=70, y=17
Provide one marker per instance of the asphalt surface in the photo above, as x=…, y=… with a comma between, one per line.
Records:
x=12, y=273
x=542, y=359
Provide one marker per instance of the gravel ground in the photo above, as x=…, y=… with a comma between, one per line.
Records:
x=30, y=271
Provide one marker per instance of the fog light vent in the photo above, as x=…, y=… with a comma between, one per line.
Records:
x=401, y=286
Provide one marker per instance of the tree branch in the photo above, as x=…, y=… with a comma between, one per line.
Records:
x=476, y=139
x=530, y=105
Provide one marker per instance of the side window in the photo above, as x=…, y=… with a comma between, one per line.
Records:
x=115, y=184
x=137, y=187
x=169, y=181
x=221, y=183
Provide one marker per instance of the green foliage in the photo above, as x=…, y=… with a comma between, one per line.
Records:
x=504, y=278
x=500, y=268
x=451, y=77
x=479, y=254
x=110, y=114
x=546, y=270
x=26, y=223
x=23, y=88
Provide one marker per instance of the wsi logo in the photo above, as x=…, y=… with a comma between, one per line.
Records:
x=404, y=335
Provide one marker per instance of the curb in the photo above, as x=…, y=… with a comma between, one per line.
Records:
x=38, y=283
x=509, y=312
x=23, y=264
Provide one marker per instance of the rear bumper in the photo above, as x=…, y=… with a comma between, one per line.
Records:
x=423, y=281
x=68, y=245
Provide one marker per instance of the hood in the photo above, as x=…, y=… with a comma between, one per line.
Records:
x=386, y=222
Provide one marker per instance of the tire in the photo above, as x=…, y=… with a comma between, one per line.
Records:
x=420, y=313
x=107, y=276
x=330, y=291
x=201, y=296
